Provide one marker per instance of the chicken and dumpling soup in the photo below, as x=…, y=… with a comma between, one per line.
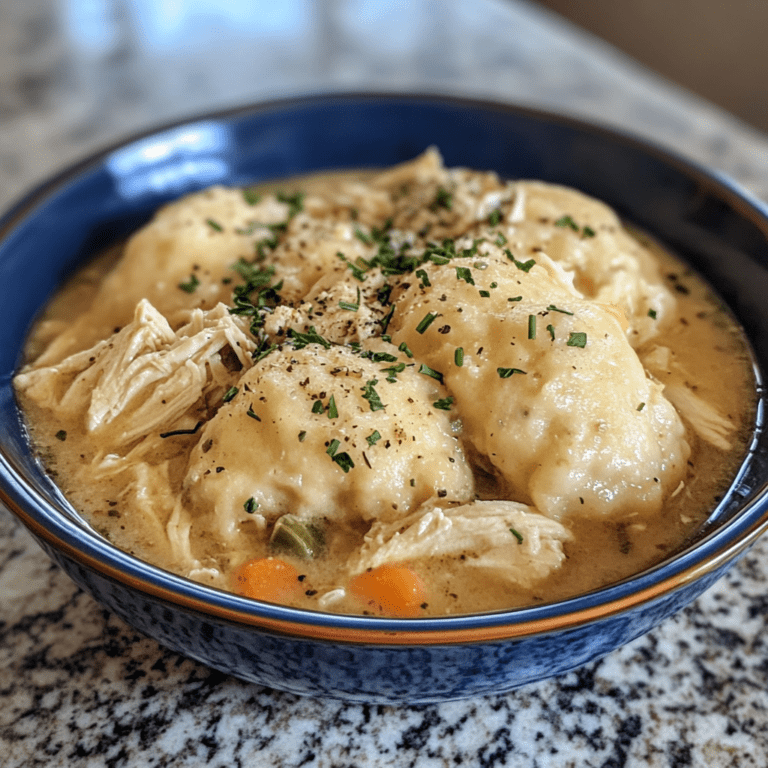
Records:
x=421, y=391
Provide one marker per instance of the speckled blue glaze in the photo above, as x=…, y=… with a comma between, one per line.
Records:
x=375, y=673
x=705, y=218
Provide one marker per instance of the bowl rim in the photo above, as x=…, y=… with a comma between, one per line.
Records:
x=714, y=551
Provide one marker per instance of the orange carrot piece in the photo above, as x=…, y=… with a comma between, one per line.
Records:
x=267, y=579
x=391, y=589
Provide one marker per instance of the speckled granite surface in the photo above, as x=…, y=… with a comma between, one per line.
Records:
x=77, y=686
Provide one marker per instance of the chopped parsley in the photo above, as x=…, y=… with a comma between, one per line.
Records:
x=387, y=319
x=251, y=505
x=641, y=406
x=517, y=535
x=302, y=435
x=229, y=394
x=349, y=305
x=300, y=340
x=318, y=407
x=524, y=265
x=531, y=326
x=458, y=356
x=372, y=396
x=392, y=371
x=495, y=217
x=251, y=197
x=295, y=202
x=333, y=411
x=422, y=275
x=444, y=404
x=426, y=321
x=577, y=339
x=250, y=412
x=465, y=274
x=443, y=199
x=405, y=350
x=567, y=221
x=61, y=435
x=191, y=285
x=374, y=437
x=344, y=460
x=363, y=237
x=652, y=314
x=357, y=272
x=214, y=225
x=505, y=373
x=500, y=239
x=427, y=371
x=551, y=329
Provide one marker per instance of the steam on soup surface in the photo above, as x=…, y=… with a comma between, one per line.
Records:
x=418, y=391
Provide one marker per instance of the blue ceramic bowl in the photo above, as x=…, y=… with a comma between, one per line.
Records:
x=705, y=218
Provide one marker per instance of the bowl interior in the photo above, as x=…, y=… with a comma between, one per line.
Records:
x=705, y=219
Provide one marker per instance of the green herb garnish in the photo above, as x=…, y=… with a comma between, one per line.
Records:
x=426, y=321
x=374, y=437
x=443, y=199
x=427, y=371
x=505, y=373
x=577, y=339
x=191, y=285
x=251, y=197
x=422, y=275
x=524, y=265
x=553, y=308
x=405, y=350
x=567, y=221
x=372, y=396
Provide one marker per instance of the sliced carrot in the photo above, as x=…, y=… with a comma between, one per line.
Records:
x=390, y=589
x=267, y=579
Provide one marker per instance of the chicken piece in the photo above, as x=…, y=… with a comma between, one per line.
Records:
x=515, y=542
x=145, y=378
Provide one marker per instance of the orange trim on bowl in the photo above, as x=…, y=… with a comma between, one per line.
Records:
x=406, y=636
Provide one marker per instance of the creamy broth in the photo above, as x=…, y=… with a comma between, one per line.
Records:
x=168, y=501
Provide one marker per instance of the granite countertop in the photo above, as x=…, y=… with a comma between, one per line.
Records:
x=78, y=686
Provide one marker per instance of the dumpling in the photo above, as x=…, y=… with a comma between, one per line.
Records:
x=327, y=433
x=552, y=398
